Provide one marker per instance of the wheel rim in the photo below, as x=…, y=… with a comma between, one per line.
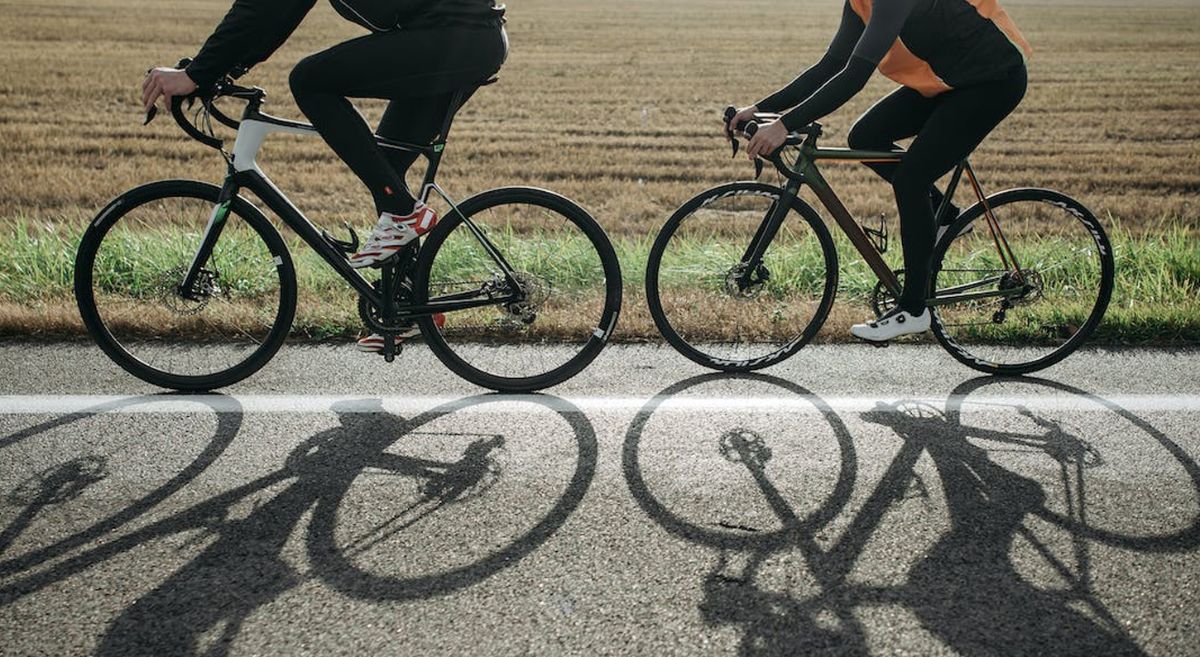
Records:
x=568, y=290
x=136, y=272
x=717, y=307
x=1056, y=297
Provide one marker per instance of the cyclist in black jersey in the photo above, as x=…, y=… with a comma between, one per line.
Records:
x=418, y=53
x=962, y=67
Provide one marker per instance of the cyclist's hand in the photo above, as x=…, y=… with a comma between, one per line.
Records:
x=166, y=82
x=744, y=114
x=768, y=140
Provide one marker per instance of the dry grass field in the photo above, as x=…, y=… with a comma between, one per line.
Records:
x=613, y=103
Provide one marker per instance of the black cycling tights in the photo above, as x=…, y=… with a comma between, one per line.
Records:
x=947, y=128
x=418, y=70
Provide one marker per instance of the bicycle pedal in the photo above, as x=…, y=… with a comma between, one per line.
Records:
x=396, y=348
x=878, y=345
x=397, y=258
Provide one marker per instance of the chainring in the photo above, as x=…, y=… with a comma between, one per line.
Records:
x=882, y=300
x=369, y=314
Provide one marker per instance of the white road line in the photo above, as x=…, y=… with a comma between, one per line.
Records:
x=306, y=404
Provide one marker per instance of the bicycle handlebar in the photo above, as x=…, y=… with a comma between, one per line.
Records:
x=224, y=87
x=805, y=136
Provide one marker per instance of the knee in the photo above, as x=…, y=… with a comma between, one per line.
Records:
x=863, y=138
x=303, y=78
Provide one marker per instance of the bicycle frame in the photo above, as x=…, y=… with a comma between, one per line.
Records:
x=806, y=172
x=244, y=173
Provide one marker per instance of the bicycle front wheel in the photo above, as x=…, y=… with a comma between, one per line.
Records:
x=1021, y=294
x=129, y=272
x=713, y=310
x=568, y=301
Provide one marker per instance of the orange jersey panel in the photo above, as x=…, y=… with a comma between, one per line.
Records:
x=991, y=10
x=906, y=68
x=901, y=65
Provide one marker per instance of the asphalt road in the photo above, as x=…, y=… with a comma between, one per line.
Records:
x=849, y=501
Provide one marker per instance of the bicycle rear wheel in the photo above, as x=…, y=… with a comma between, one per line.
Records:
x=697, y=262
x=568, y=272
x=1051, y=300
x=131, y=264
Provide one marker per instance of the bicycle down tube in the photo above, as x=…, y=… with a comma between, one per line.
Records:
x=246, y=174
x=805, y=171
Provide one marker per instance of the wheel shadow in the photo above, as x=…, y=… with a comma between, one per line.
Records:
x=965, y=590
x=201, y=608
x=63, y=482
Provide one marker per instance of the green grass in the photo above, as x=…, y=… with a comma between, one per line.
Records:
x=1158, y=278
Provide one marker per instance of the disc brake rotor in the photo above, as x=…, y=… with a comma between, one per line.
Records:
x=738, y=287
x=202, y=292
x=537, y=291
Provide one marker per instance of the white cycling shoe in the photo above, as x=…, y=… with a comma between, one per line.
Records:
x=392, y=233
x=892, y=325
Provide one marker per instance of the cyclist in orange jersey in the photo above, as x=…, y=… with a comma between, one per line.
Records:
x=962, y=67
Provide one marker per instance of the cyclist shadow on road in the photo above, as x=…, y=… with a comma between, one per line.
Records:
x=245, y=568
x=249, y=557
x=965, y=589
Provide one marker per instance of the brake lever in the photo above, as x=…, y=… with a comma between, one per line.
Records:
x=751, y=130
x=150, y=115
x=731, y=112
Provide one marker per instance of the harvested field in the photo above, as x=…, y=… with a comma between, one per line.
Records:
x=614, y=104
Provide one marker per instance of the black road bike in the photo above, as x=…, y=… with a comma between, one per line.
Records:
x=743, y=275
x=187, y=285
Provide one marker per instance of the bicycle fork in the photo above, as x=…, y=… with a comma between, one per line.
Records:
x=767, y=230
x=212, y=231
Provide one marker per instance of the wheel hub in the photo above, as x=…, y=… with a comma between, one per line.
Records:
x=1030, y=286
x=747, y=287
x=535, y=290
x=171, y=294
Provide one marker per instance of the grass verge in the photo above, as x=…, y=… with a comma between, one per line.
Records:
x=1155, y=302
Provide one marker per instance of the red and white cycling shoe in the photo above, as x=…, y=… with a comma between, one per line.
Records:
x=392, y=233
x=373, y=344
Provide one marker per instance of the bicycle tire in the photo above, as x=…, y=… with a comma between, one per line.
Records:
x=588, y=238
x=963, y=353
x=654, y=291
x=120, y=350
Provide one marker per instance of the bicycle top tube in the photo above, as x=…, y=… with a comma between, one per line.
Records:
x=804, y=141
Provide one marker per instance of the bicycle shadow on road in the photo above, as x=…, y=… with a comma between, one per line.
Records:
x=965, y=590
x=63, y=482
x=245, y=563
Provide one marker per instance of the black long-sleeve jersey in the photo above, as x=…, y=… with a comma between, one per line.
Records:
x=931, y=46
x=253, y=29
